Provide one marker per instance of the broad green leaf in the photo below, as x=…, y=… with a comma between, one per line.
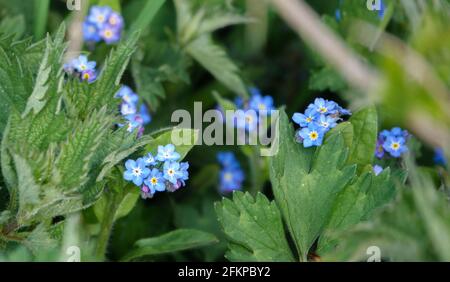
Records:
x=365, y=128
x=178, y=240
x=27, y=188
x=356, y=203
x=254, y=229
x=213, y=58
x=306, y=189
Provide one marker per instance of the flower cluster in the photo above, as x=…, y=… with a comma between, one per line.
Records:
x=338, y=14
x=82, y=68
x=231, y=175
x=157, y=173
x=136, y=116
x=102, y=23
x=318, y=119
x=249, y=113
x=393, y=142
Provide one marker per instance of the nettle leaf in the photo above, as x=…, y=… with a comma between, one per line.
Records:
x=28, y=190
x=213, y=58
x=178, y=240
x=254, y=228
x=108, y=82
x=303, y=193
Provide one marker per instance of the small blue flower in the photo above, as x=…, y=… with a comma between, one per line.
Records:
x=167, y=153
x=172, y=172
x=127, y=109
x=381, y=11
x=304, y=120
x=99, y=15
x=327, y=122
x=146, y=192
x=110, y=34
x=115, y=20
x=81, y=64
x=155, y=181
x=149, y=159
x=89, y=76
x=136, y=171
x=145, y=114
x=343, y=112
x=439, y=157
x=379, y=151
x=90, y=32
x=337, y=15
x=377, y=169
x=127, y=95
x=133, y=122
x=231, y=180
x=312, y=135
x=261, y=103
x=395, y=146
x=247, y=120
x=227, y=159
x=323, y=106
x=184, y=166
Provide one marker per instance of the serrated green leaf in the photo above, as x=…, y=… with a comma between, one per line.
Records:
x=172, y=136
x=304, y=195
x=254, y=229
x=178, y=240
x=213, y=58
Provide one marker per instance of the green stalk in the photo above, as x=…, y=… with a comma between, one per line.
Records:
x=106, y=226
x=256, y=32
x=41, y=14
x=146, y=16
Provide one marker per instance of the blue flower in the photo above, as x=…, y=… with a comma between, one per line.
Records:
x=312, y=135
x=343, y=112
x=127, y=109
x=231, y=180
x=377, y=169
x=110, y=34
x=146, y=192
x=304, y=120
x=136, y=171
x=115, y=20
x=323, y=106
x=133, y=122
x=167, y=153
x=327, y=122
x=227, y=159
x=155, y=181
x=144, y=113
x=395, y=146
x=99, y=15
x=439, y=157
x=127, y=95
x=337, y=15
x=261, y=103
x=149, y=159
x=184, y=166
x=172, y=172
x=90, y=32
x=81, y=64
x=381, y=11
x=379, y=151
x=247, y=120
x=89, y=76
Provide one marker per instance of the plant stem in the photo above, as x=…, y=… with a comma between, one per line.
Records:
x=106, y=226
x=41, y=15
x=256, y=33
x=255, y=171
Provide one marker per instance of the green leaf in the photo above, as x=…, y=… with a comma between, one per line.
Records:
x=13, y=25
x=304, y=188
x=178, y=240
x=146, y=15
x=356, y=203
x=365, y=128
x=114, y=4
x=28, y=190
x=213, y=58
x=326, y=79
x=254, y=229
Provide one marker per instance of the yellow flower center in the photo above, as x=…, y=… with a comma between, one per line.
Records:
x=395, y=146
x=108, y=33
x=86, y=76
x=313, y=135
x=154, y=180
x=261, y=107
x=308, y=119
x=170, y=172
x=322, y=110
x=228, y=176
x=100, y=18
x=112, y=21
